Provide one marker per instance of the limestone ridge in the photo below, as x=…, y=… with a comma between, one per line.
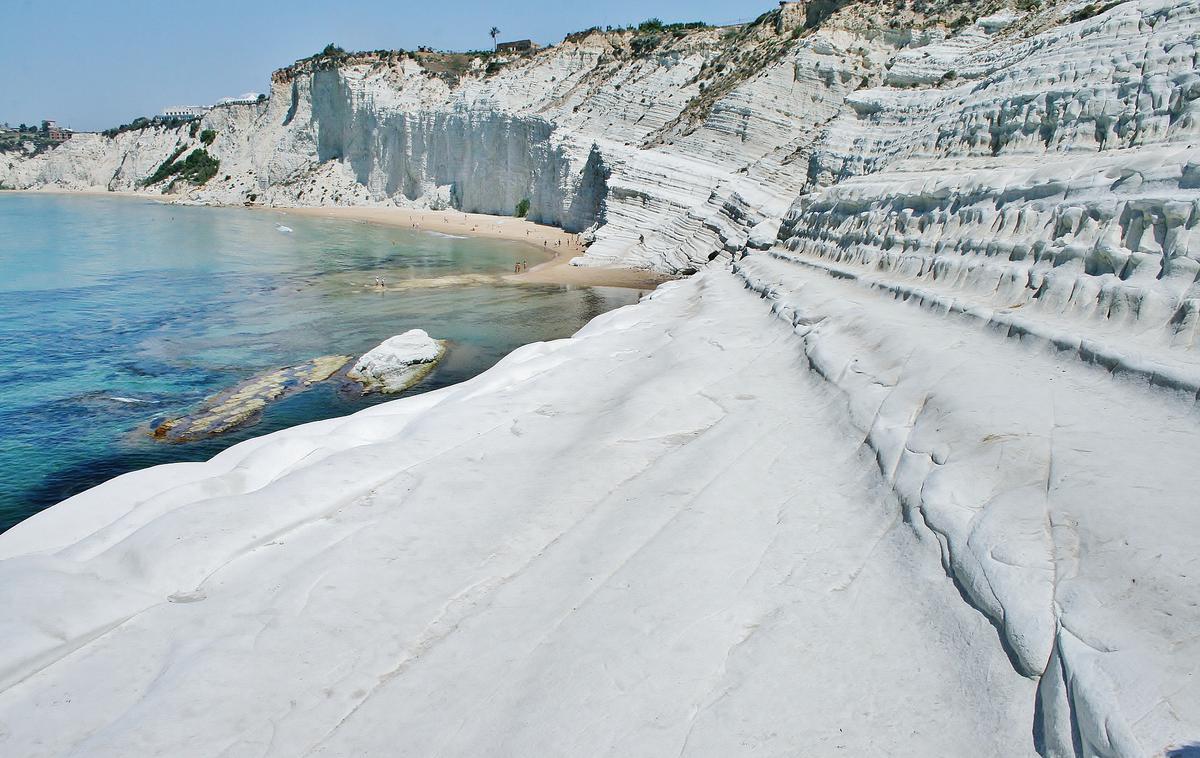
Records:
x=691, y=139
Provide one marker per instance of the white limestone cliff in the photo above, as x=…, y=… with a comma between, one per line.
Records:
x=914, y=474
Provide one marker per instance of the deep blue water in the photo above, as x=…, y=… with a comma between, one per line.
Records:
x=114, y=312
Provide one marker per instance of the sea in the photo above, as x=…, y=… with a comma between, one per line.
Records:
x=118, y=312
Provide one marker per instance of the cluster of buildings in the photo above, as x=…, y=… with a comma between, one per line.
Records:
x=50, y=130
x=55, y=132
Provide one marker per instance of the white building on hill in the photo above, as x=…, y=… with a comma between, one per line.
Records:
x=184, y=111
x=245, y=98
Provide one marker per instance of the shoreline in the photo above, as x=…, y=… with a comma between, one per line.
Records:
x=97, y=192
x=560, y=245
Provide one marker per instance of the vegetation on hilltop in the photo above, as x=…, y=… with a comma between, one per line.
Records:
x=656, y=25
x=651, y=26
x=142, y=122
x=451, y=66
x=447, y=66
x=20, y=138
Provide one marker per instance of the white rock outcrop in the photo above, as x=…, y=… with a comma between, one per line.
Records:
x=914, y=475
x=398, y=362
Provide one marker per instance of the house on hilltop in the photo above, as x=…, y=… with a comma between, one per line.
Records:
x=55, y=132
x=518, y=46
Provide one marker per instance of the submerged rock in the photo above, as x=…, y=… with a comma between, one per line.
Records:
x=398, y=363
x=243, y=403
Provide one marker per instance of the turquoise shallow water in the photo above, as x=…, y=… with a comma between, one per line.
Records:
x=114, y=312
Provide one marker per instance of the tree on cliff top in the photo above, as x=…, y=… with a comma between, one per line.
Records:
x=494, y=33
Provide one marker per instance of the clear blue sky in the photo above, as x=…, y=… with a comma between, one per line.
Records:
x=91, y=64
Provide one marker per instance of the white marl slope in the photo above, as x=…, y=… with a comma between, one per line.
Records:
x=918, y=476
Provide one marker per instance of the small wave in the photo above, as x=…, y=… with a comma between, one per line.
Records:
x=121, y=399
x=448, y=236
x=284, y=229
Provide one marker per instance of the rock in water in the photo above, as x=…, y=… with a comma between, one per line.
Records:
x=398, y=363
x=244, y=402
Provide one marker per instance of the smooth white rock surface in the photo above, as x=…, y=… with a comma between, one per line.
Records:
x=916, y=477
x=818, y=521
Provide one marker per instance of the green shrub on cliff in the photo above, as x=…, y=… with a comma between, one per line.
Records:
x=207, y=136
x=165, y=168
x=197, y=168
x=523, y=208
x=1093, y=9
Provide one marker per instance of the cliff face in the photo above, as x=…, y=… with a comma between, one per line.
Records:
x=684, y=139
x=699, y=141
x=944, y=409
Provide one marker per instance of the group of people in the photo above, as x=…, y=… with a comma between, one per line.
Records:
x=520, y=266
x=379, y=283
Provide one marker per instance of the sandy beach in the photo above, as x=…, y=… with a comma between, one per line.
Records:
x=551, y=241
x=97, y=192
